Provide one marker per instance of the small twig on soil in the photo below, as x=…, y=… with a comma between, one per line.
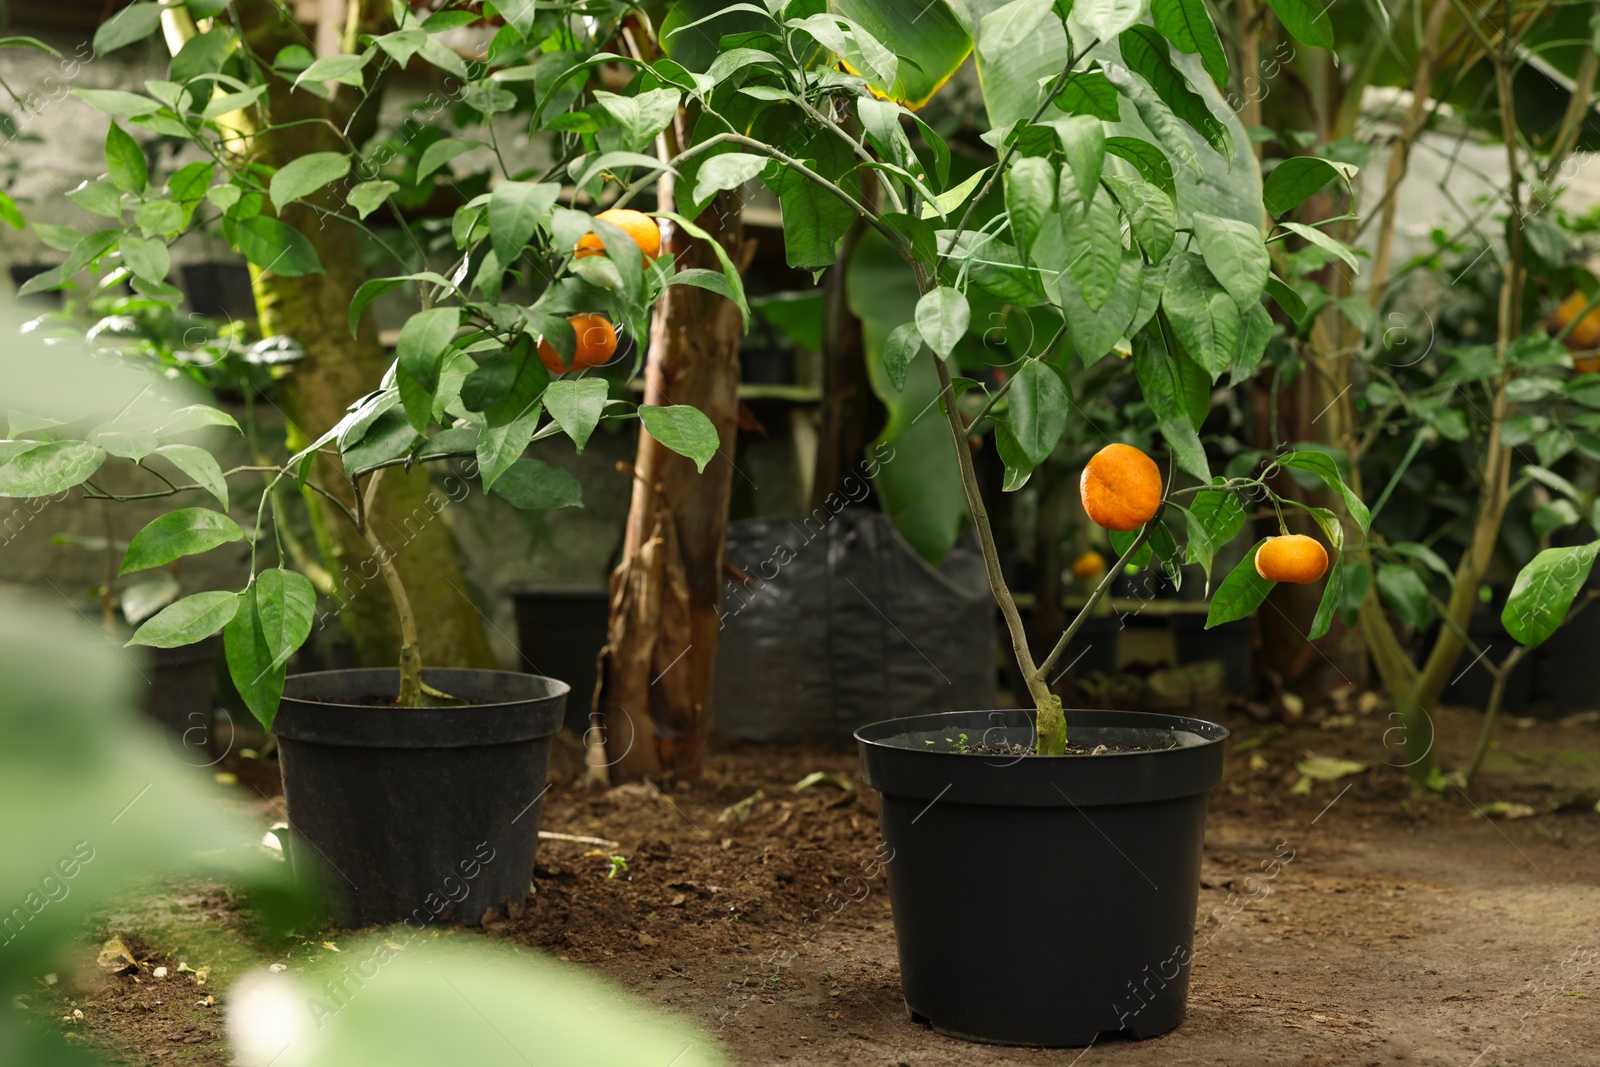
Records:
x=577, y=839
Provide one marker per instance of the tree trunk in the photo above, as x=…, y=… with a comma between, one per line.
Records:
x=654, y=696
x=847, y=399
x=338, y=369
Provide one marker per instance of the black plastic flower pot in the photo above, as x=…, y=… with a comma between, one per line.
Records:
x=561, y=632
x=421, y=814
x=1044, y=900
x=1229, y=644
x=179, y=694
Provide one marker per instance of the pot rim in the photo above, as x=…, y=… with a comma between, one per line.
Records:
x=560, y=688
x=880, y=735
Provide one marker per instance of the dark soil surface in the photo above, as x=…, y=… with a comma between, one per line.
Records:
x=1390, y=934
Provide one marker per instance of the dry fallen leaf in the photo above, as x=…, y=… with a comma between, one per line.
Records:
x=116, y=957
x=740, y=812
x=822, y=778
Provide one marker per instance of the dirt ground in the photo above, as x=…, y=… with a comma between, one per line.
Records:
x=1425, y=934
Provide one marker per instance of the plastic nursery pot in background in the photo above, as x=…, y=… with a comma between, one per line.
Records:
x=429, y=814
x=560, y=633
x=1044, y=900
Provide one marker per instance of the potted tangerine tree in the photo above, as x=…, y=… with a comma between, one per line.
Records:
x=1124, y=203
x=417, y=789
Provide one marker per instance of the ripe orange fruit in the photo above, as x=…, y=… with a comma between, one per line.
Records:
x=1121, y=488
x=1089, y=565
x=1585, y=336
x=636, y=224
x=597, y=343
x=1293, y=558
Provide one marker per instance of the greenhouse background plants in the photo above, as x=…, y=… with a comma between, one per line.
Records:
x=800, y=531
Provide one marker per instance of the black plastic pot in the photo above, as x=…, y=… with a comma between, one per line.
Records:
x=179, y=695
x=426, y=814
x=1229, y=644
x=1044, y=900
x=219, y=289
x=560, y=633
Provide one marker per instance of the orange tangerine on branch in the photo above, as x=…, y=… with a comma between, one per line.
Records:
x=636, y=224
x=597, y=343
x=1293, y=558
x=1120, y=488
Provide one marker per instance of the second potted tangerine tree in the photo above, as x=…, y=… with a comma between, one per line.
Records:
x=1045, y=863
x=415, y=792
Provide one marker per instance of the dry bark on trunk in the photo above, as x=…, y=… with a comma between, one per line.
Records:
x=654, y=696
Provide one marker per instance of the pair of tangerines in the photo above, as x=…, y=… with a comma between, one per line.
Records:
x=597, y=339
x=1121, y=490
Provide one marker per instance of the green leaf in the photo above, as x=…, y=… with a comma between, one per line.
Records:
x=1214, y=518
x=370, y=196
x=423, y=341
x=40, y=468
x=1106, y=19
x=1094, y=332
x=371, y=290
x=730, y=170
x=930, y=42
x=1006, y=28
x=942, y=319
x=275, y=246
x=1092, y=241
x=304, y=175
x=1235, y=256
x=117, y=102
x=1089, y=93
x=1163, y=391
x=443, y=151
x=286, y=605
x=1285, y=297
x=1039, y=406
x=1334, y=248
x=200, y=465
x=576, y=405
x=1332, y=596
x=1544, y=590
x=1240, y=593
x=1145, y=52
x=516, y=210
x=1151, y=163
x=533, y=485
x=194, y=417
x=1030, y=187
x=1205, y=320
x=1018, y=466
x=1187, y=25
x=684, y=429
x=1258, y=331
x=194, y=618
x=1083, y=146
x=509, y=425
x=160, y=218
x=125, y=161
x=147, y=257
x=903, y=345
x=1152, y=215
x=641, y=117
x=343, y=68
x=133, y=23
x=1296, y=180
x=1324, y=467
x=1306, y=19
x=185, y=532
x=1404, y=593
x=9, y=213
x=250, y=661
